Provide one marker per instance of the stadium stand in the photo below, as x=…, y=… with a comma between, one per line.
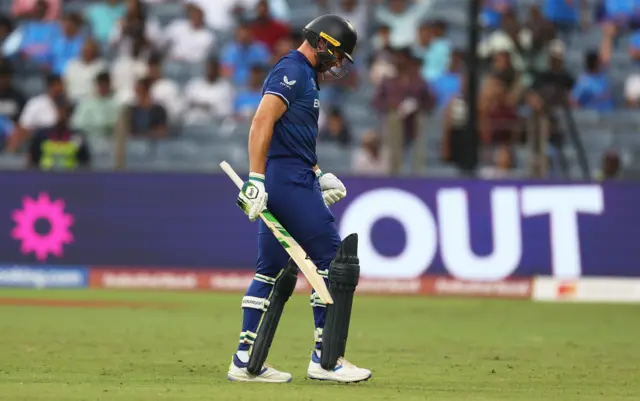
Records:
x=200, y=145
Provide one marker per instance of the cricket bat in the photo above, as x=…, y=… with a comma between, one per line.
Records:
x=294, y=250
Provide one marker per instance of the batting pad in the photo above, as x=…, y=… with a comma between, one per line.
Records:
x=284, y=286
x=344, y=275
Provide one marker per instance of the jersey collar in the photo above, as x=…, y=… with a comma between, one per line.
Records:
x=296, y=55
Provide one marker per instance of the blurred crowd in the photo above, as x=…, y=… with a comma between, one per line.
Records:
x=102, y=66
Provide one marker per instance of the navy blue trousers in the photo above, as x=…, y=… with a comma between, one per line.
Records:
x=295, y=199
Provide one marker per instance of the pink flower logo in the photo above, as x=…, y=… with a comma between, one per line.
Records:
x=42, y=209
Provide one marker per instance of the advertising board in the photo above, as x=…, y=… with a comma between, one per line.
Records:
x=408, y=227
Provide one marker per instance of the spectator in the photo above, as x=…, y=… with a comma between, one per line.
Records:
x=334, y=90
x=142, y=119
x=553, y=85
x=565, y=16
x=542, y=29
x=248, y=99
x=355, y=11
x=135, y=26
x=7, y=130
x=12, y=101
x=620, y=15
x=402, y=100
x=336, y=129
x=492, y=12
x=592, y=90
x=11, y=104
x=610, y=168
x=632, y=84
x=36, y=36
x=382, y=65
x=25, y=8
x=455, y=146
x=146, y=118
x=164, y=91
x=81, y=72
x=97, y=115
x=620, y=18
x=434, y=49
x=266, y=29
x=208, y=98
x=59, y=147
x=238, y=56
x=41, y=111
x=103, y=16
x=447, y=86
x=502, y=166
x=282, y=48
x=69, y=45
x=222, y=14
x=371, y=158
x=503, y=69
x=127, y=69
x=497, y=118
x=403, y=19
x=6, y=29
x=550, y=91
x=511, y=38
x=189, y=40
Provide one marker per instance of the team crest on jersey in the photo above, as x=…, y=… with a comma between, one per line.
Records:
x=285, y=82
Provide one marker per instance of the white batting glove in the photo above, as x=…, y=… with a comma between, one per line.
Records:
x=332, y=188
x=252, y=198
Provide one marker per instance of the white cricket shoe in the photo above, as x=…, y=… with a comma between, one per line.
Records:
x=344, y=372
x=238, y=373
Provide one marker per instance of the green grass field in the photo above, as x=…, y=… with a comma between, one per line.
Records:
x=417, y=348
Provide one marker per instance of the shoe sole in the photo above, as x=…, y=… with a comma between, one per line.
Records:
x=324, y=379
x=255, y=380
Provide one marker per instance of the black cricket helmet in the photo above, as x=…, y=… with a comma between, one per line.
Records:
x=334, y=39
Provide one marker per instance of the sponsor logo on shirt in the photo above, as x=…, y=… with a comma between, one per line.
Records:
x=286, y=83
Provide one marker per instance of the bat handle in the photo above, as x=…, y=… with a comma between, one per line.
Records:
x=226, y=167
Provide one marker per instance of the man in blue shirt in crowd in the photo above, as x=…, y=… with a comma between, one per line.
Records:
x=593, y=89
x=285, y=178
x=449, y=85
x=68, y=45
x=33, y=40
x=248, y=99
x=565, y=14
x=238, y=56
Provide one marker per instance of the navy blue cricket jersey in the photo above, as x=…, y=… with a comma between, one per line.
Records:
x=293, y=79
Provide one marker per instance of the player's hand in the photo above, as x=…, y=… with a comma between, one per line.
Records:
x=332, y=188
x=252, y=198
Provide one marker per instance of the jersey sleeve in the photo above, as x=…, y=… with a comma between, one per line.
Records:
x=287, y=82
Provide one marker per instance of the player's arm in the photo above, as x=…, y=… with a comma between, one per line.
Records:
x=252, y=198
x=283, y=86
x=271, y=108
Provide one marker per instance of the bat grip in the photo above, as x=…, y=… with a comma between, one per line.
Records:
x=226, y=167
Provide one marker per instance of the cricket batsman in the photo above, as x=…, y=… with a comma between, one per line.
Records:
x=285, y=178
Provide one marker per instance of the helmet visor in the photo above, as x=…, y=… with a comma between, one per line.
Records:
x=334, y=64
x=337, y=71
